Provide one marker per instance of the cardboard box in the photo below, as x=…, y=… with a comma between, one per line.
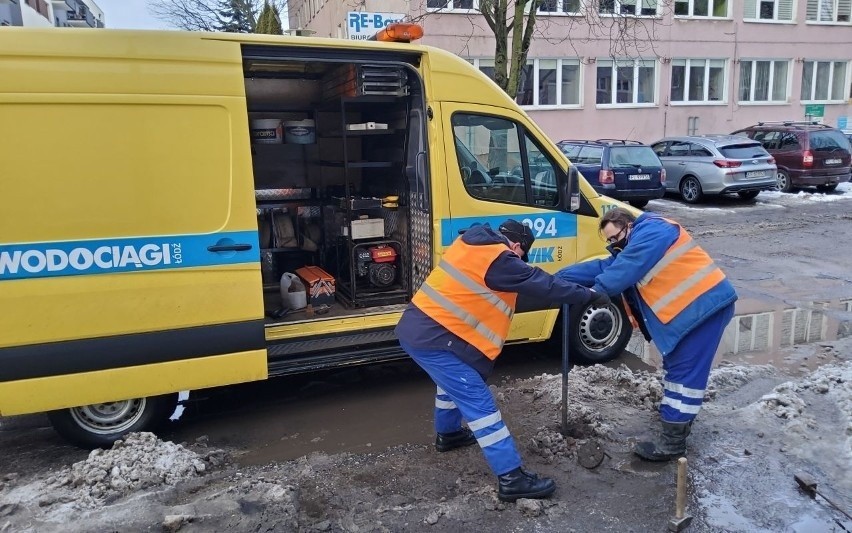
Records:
x=319, y=285
x=368, y=228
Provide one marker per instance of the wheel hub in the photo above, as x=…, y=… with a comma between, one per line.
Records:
x=599, y=327
x=109, y=417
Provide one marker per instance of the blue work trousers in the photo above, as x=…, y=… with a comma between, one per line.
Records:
x=687, y=368
x=463, y=395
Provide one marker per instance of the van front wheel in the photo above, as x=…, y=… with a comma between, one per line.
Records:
x=99, y=425
x=598, y=333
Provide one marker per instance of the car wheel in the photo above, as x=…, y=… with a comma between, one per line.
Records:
x=101, y=424
x=639, y=204
x=598, y=333
x=826, y=188
x=748, y=195
x=690, y=190
x=785, y=184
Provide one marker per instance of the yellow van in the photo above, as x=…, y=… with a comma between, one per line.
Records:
x=188, y=210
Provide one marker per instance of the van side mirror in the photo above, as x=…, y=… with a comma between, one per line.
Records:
x=573, y=189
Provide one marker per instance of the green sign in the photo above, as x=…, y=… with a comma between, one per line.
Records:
x=815, y=110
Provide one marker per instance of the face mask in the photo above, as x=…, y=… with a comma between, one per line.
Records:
x=620, y=244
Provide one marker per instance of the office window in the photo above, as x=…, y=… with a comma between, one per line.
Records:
x=452, y=4
x=628, y=7
x=559, y=6
x=763, y=81
x=701, y=8
x=544, y=82
x=626, y=82
x=765, y=10
x=829, y=11
x=823, y=81
x=698, y=80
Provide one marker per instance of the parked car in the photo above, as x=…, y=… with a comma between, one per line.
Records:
x=621, y=169
x=807, y=154
x=715, y=164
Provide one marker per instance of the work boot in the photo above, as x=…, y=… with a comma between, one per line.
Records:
x=671, y=443
x=445, y=442
x=521, y=484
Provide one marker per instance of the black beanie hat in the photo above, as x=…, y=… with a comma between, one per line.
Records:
x=519, y=233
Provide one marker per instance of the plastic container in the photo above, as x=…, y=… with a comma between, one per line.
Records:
x=266, y=131
x=293, y=294
x=300, y=131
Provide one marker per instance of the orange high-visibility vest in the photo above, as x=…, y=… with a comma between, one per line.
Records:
x=683, y=274
x=455, y=295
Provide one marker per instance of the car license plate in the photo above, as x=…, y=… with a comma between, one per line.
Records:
x=638, y=177
x=832, y=161
x=756, y=174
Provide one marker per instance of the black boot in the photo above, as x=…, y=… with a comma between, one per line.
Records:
x=670, y=445
x=520, y=484
x=445, y=442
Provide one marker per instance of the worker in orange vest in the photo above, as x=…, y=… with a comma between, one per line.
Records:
x=679, y=298
x=455, y=328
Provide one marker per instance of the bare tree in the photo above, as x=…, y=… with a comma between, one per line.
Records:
x=206, y=15
x=514, y=24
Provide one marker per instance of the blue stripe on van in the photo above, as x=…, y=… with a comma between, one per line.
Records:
x=137, y=254
x=552, y=225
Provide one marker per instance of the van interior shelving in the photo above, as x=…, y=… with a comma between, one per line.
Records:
x=333, y=185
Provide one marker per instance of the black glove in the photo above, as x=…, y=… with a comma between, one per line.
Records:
x=599, y=298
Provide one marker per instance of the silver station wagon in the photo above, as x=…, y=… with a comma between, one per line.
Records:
x=716, y=164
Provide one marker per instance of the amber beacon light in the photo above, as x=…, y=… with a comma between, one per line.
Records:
x=400, y=33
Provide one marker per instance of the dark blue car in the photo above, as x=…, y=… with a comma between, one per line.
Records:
x=625, y=170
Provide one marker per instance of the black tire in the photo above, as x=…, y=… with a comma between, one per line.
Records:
x=639, y=204
x=785, y=184
x=100, y=425
x=826, y=188
x=598, y=333
x=748, y=195
x=690, y=190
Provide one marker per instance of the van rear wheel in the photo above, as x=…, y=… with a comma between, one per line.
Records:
x=785, y=184
x=99, y=425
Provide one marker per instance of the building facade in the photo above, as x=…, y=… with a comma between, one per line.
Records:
x=643, y=69
x=49, y=13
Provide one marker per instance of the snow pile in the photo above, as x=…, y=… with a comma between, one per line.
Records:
x=139, y=461
x=843, y=192
x=727, y=377
x=833, y=379
x=598, y=383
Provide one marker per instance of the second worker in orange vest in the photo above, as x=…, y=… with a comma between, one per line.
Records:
x=455, y=328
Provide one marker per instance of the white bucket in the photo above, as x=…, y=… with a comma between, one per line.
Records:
x=293, y=294
x=266, y=131
x=300, y=131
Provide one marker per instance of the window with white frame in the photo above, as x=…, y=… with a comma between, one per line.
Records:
x=763, y=80
x=630, y=81
x=559, y=6
x=766, y=10
x=823, y=81
x=698, y=80
x=544, y=82
x=829, y=11
x=452, y=4
x=628, y=7
x=701, y=8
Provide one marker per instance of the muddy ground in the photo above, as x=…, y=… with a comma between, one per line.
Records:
x=769, y=413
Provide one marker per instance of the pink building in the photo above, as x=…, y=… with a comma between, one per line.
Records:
x=642, y=69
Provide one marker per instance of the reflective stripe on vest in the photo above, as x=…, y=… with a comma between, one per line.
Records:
x=683, y=274
x=455, y=295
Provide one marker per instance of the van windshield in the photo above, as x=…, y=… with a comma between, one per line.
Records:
x=628, y=156
x=743, y=151
x=828, y=141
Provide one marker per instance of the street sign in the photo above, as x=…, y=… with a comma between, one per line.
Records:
x=815, y=110
x=362, y=25
x=842, y=123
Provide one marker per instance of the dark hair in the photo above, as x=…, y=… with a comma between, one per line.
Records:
x=618, y=217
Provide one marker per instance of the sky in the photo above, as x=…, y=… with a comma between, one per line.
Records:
x=130, y=14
